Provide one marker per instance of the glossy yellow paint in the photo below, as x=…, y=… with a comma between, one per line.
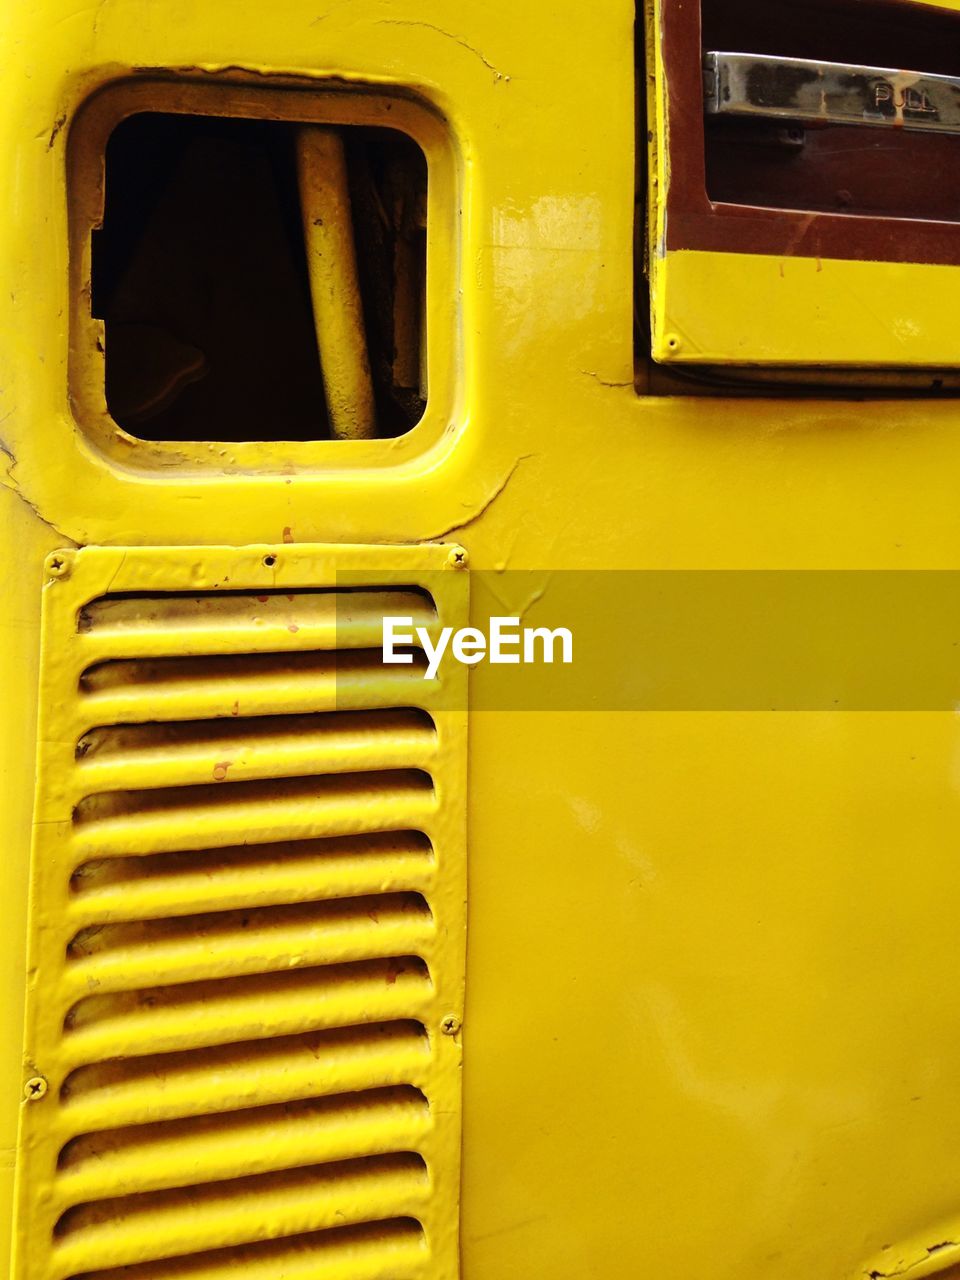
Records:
x=334, y=286
x=711, y=1020
x=802, y=311
x=299, y=100
x=247, y=926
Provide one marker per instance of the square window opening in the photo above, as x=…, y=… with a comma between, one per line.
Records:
x=261, y=280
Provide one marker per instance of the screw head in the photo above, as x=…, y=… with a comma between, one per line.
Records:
x=457, y=558
x=35, y=1088
x=59, y=564
x=450, y=1025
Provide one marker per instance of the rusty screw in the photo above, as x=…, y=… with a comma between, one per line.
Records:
x=35, y=1088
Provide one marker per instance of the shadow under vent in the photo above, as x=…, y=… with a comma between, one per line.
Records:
x=247, y=929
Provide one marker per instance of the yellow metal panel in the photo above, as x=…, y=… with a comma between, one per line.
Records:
x=743, y=309
x=247, y=932
x=712, y=1020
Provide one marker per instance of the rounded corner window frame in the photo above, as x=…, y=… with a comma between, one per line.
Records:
x=287, y=99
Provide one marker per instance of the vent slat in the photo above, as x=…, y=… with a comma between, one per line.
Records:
x=187, y=689
x=247, y=622
x=231, y=1077
x=160, y=1225
x=153, y=886
x=112, y=823
x=203, y=1014
x=174, y=755
x=119, y=957
x=380, y=1251
x=214, y=1148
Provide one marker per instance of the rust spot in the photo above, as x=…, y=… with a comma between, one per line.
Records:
x=55, y=131
x=220, y=770
x=393, y=972
x=262, y=599
x=287, y=533
x=235, y=709
x=292, y=626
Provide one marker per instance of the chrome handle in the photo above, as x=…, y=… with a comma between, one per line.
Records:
x=764, y=87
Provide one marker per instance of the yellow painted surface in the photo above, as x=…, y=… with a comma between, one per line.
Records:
x=711, y=1020
x=335, y=290
x=803, y=311
x=247, y=932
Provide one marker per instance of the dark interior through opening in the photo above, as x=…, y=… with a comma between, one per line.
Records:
x=201, y=277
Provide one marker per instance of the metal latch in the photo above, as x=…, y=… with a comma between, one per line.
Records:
x=760, y=86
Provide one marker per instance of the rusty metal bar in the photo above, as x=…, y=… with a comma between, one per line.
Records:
x=759, y=86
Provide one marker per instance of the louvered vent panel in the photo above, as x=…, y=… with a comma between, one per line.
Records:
x=247, y=921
